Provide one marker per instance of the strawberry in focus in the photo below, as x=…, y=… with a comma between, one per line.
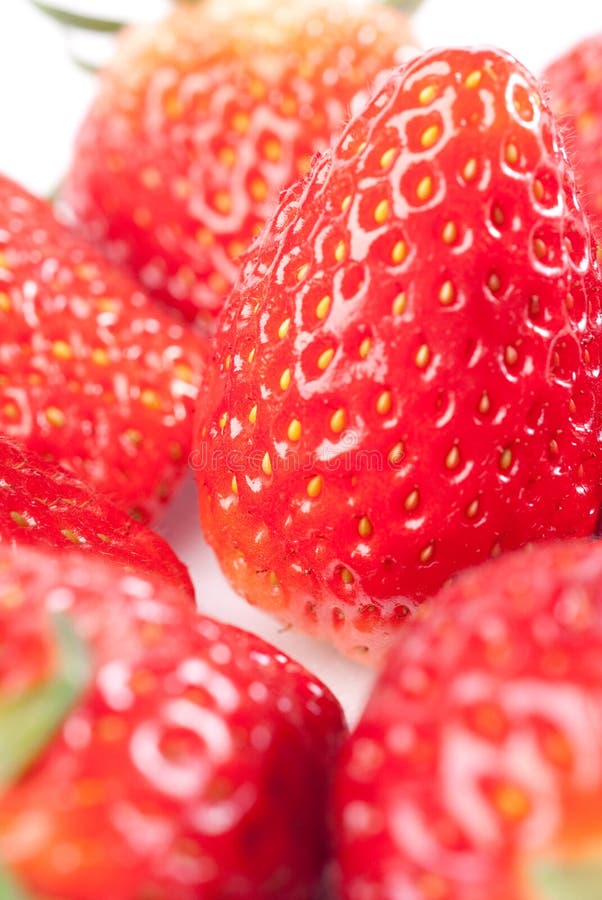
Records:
x=93, y=375
x=201, y=121
x=40, y=504
x=475, y=769
x=407, y=374
x=575, y=85
x=150, y=752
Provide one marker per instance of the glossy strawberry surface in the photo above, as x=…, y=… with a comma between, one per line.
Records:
x=194, y=759
x=475, y=770
x=407, y=375
x=40, y=504
x=574, y=82
x=93, y=375
x=204, y=118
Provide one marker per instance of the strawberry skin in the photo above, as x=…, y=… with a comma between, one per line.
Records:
x=193, y=762
x=475, y=769
x=93, y=375
x=575, y=86
x=40, y=504
x=407, y=375
x=203, y=119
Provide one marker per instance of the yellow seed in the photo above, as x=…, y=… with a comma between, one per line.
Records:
x=539, y=248
x=150, y=399
x=412, y=500
x=223, y=202
x=10, y=410
x=399, y=304
x=223, y=421
x=430, y=136
x=323, y=307
x=494, y=283
x=449, y=233
x=325, y=358
x=338, y=420
x=133, y=436
x=511, y=802
x=340, y=251
x=381, y=213
x=538, y=189
x=447, y=293
x=294, y=430
x=470, y=169
x=472, y=509
x=273, y=578
x=227, y=156
x=427, y=94
x=364, y=527
x=259, y=190
x=266, y=464
x=285, y=379
x=71, y=536
x=510, y=356
x=5, y=304
x=251, y=355
x=283, y=330
x=100, y=357
x=314, y=486
x=253, y=415
x=497, y=215
x=553, y=447
x=384, y=403
x=346, y=203
x=484, y=404
x=55, y=416
x=272, y=150
x=506, y=459
x=346, y=576
x=20, y=520
x=425, y=188
x=452, y=460
x=396, y=454
x=474, y=79
x=511, y=154
x=302, y=271
x=62, y=350
x=365, y=348
x=399, y=252
x=427, y=554
x=423, y=356
x=228, y=362
x=388, y=157
x=240, y=122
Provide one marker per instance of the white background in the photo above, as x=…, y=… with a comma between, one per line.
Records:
x=43, y=97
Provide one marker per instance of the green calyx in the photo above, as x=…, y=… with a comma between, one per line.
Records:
x=79, y=20
x=11, y=889
x=406, y=6
x=568, y=879
x=30, y=720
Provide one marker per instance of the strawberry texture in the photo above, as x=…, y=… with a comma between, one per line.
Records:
x=40, y=504
x=475, y=769
x=407, y=375
x=194, y=762
x=203, y=119
x=93, y=374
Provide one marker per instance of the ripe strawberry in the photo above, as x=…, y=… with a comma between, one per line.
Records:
x=92, y=374
x=42, y=504
x=407, y=376
x=575, y=84
x=149, y=752
x=204, y=118
x=475, y=770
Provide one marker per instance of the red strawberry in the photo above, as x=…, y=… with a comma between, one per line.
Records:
x=476, y=768
x=42, y=504
x=92, y=374
x=204, y=118
x=575, y=84
x=408, y=371
x=149, y=752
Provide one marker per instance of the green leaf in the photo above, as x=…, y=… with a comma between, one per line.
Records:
x=10, y=889
x=579, y=879
x=79, y=20
x=29, y=721
x=407, y=6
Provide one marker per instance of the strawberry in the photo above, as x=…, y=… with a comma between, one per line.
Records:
x=475, y=769
x=201, y=121
x=42, y=504
x=92, y=374
x=407, y=375
x=147, y=751
x=575, y=85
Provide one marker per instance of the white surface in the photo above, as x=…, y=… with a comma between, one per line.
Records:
x=43, y=98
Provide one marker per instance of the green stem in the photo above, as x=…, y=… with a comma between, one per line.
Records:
x=79, y=20
x=11, y=889
x=568, y=880
x=29, y=721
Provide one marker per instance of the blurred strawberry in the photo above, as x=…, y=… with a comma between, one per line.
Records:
x=408, y=371
x=93, y=375
x=476, y=768
x=575, y=85
x=41, y=504
x=204, y=118
x=149, y=752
